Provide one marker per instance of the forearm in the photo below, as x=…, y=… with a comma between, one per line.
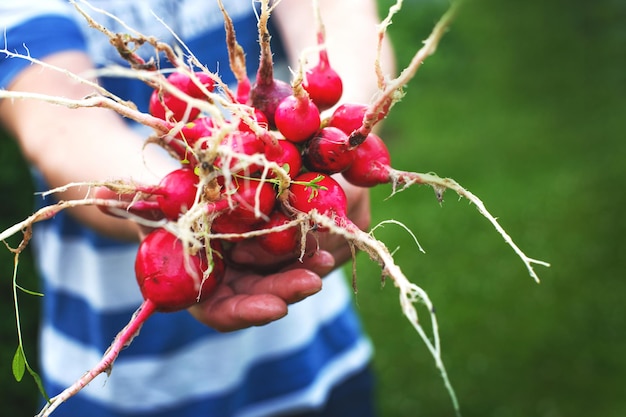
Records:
x=78, y=145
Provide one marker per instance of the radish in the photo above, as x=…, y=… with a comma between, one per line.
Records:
x=280, y=242
x=372, y=166
x=259, y=118
x=167, y=106
x=190, y=87
x=348, y=117
x=320, y=192
x=287, y=155
x=297, y=117
x=328, y=151
x=195, y=130
x=182, y=144
x=172, y=279
x=249, y=205
x=175, y=194
x=371, y=163
x=246, y=143
x=322, y=82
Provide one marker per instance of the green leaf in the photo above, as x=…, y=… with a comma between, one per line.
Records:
x=39, y=383
x=19, y=364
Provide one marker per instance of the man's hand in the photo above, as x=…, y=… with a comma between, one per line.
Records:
x=247, y=296
x=244, y=298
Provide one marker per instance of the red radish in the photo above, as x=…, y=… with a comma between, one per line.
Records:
x=247, y=210
x=328, y=151
x=287, y=155
x=357, y=120
x=243, y=90
x=163, y=273
x=317, y=191
x=178, y=192
x=322, y=82
x=246, y=143
x=162, y=101
x=296, y=117
x=195, y=130
x=373, y=115
x=184, y=141
x=259, y=118
x=175, y=194
x=371, y=165
x=282, y=242
x=226, y=224
x=172, y=279
x=190, y=86
x=348, y=117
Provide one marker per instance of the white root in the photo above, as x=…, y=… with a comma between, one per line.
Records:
x=404, y=180
x=48, y=212
x=410, y=293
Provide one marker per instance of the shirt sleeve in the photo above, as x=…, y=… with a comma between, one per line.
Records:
x=37, y=28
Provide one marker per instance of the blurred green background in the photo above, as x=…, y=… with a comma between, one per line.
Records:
x=523, y=104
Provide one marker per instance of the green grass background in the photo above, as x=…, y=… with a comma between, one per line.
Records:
x=523, y=104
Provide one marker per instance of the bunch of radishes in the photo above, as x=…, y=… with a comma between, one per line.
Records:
x=255, y=171
x=260, y=162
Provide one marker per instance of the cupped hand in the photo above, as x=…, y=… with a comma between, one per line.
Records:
x=245, y=298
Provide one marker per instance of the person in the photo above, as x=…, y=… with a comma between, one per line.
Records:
x=283, y=342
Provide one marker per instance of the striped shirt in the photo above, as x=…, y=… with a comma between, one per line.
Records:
x=176, y=366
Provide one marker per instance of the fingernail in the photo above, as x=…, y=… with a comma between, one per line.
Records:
x=326, y=259
x=323, y=263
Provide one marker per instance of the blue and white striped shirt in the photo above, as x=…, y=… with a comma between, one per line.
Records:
x=176, y=366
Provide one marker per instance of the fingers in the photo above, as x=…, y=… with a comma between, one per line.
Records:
x=240, y=311
x=320, y=262
x=291, y=286
x=254, y=300
x=248, y=254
